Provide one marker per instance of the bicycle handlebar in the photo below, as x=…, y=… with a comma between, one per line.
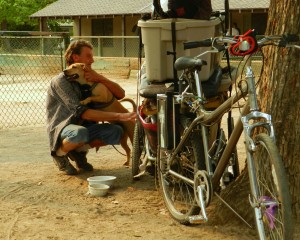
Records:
x=196, y=44
x=244, y=44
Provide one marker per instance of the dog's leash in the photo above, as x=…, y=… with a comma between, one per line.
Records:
x=118, y=150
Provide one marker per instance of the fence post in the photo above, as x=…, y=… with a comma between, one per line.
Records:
x=99, y=47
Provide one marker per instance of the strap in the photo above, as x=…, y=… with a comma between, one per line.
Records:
x=173, y=28
x=139, y=78
x=174, y=47
x=85, y=90
x=229, y=118
x=93, y=86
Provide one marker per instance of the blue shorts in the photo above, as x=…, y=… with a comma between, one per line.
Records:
x=105, y=132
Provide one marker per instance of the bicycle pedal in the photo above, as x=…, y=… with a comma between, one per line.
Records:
x=228, y=177
x=197, y=219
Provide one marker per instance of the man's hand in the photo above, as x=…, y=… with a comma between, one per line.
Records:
x=92, y=76
x=131, y=116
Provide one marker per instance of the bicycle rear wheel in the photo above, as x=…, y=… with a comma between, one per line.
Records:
x=270, y=191
x=138, y=148
x=179, y=194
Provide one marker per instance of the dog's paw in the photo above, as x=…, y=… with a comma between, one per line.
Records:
x=126, y=164
x=85, y=102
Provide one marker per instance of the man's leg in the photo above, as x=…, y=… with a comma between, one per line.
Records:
x=73, y=136
x=105, y=133
x=99, y=135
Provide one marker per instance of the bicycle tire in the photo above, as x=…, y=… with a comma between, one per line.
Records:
x=178, y=195
x=138, y=147
x=273, y=214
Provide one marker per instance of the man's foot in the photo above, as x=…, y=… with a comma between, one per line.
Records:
x=64, y=165
x=81, y=160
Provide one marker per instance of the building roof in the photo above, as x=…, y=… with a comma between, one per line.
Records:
x=76, y=8
x=241, y=4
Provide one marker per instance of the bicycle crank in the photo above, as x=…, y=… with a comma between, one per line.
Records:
x=203, y=195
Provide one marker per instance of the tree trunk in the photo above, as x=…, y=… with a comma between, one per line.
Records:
x=279, y=96
x=4, y=25
x=280, y=91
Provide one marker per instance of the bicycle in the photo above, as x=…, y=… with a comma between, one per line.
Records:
x=194, y=158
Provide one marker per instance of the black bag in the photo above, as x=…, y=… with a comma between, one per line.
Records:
x=192, y=9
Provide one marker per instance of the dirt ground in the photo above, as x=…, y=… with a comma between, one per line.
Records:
x=39, y=202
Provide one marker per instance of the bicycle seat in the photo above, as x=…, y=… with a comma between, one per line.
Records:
x=149, y=89
x=188, y=63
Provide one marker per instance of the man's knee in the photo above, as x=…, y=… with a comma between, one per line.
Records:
x=76, y=134
x=105, y=133
x=116, y=132
x=119, y=131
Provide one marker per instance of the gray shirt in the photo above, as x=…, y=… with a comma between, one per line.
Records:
x=62, y=108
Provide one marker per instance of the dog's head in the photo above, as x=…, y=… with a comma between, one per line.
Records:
x=75, y=72
x=149, y=107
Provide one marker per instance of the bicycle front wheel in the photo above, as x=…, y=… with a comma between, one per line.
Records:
x=272, y=205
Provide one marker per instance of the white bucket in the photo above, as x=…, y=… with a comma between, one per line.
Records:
x=157, y=40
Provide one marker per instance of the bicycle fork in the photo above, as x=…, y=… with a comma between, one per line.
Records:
x=252, y=121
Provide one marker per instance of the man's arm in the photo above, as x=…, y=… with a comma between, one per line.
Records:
x=116, y=89
x=68, y=96
x=99, y=116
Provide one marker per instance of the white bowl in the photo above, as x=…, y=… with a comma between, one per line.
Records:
x=108, y=180
x=98, y=190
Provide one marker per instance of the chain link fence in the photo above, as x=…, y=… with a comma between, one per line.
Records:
x=117, y=46
x=29, y=60
x=27, y=63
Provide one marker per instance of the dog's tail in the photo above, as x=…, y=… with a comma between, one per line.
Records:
x=134, y=107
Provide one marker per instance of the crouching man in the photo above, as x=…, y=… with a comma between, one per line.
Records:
x=74, y=128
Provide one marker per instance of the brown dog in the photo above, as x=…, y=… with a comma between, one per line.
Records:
x=101, y=94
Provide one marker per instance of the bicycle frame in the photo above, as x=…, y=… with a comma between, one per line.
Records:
x=250, y=111
x=207, y=118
